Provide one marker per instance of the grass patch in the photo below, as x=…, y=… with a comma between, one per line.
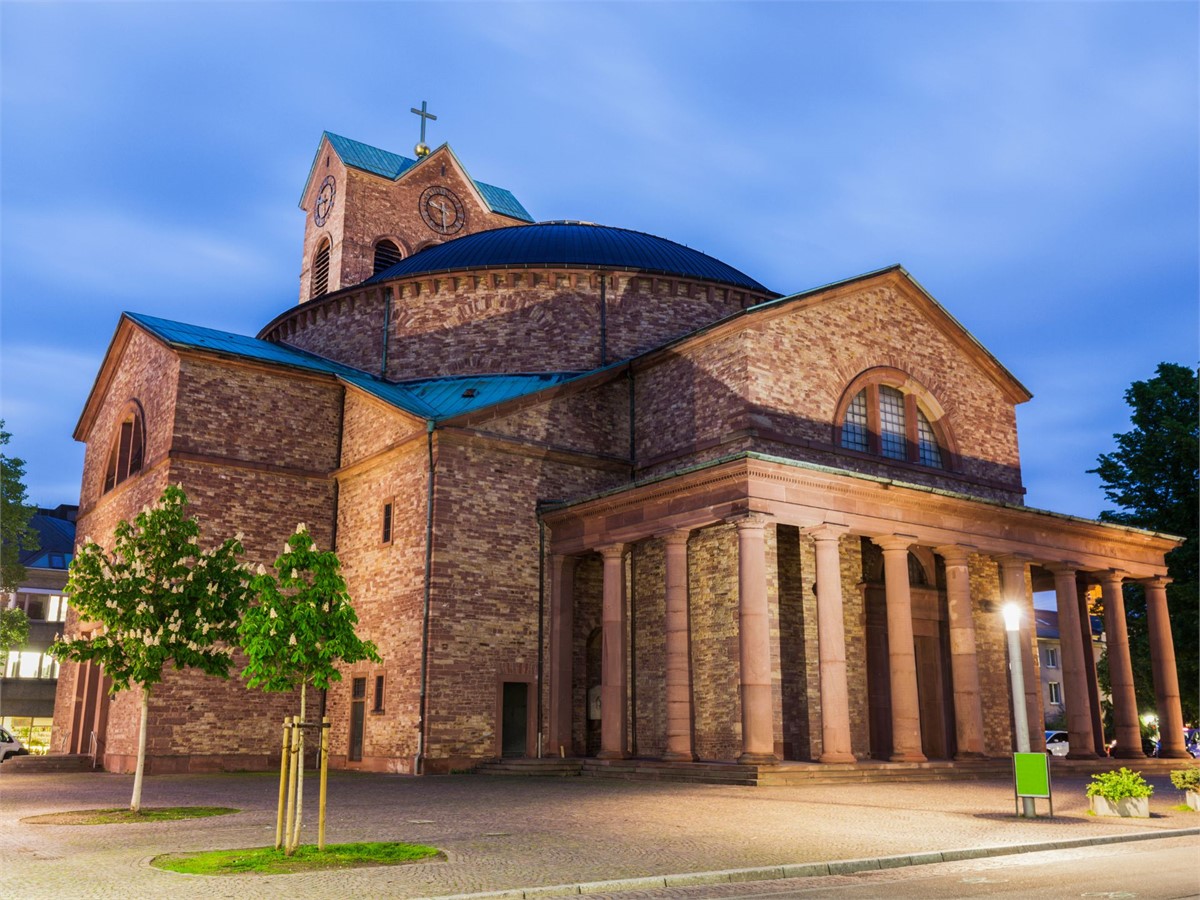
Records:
x=307, y=858
x=125, y=816
x=1182, y=807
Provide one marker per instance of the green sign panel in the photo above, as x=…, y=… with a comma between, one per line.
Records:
x=1032, y=774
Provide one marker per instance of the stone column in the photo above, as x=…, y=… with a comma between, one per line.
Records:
x=562, y=645
x=1089, y=671
x=831, y=647
x=1013, y=588
x=679, y=672
x=1079, y=715
x=1166, y=676
x=964, y=662
x=902, y=658
x=754, y=642
x=614, y=688
x=1120, y=669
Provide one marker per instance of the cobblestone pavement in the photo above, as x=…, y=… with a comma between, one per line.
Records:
x=511, y=832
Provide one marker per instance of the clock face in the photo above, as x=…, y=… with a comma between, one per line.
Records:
x=324, y=204
x=442, y=210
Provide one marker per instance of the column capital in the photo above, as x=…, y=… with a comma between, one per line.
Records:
x=826, y=531
x=1156, y=581
x=611, y=551
x=955, y=554
x=748, y=522
x=676, y=536
x=893, y=542
x=1067, y=567
x=1109, y=576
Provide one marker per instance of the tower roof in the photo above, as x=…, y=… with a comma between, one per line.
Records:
x=574, y=244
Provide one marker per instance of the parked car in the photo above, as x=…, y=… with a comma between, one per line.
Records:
x=1056, y=743
x=10, y=745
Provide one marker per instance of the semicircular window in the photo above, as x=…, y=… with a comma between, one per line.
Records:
x=387, y=254
x=885, y=421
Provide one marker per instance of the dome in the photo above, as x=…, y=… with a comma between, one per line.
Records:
x=569, y=244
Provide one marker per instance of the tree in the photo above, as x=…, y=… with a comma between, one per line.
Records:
x=157, y=598
x=298, y=632
x=15, y=534
x=1152, y=476
x=14, y=631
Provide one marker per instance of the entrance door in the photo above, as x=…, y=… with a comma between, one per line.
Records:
x=879, y=676
x=514, y=719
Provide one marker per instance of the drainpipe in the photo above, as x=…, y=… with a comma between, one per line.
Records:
x=541, y=625
x=387, y=323
x=418, y=764
x=603, y=319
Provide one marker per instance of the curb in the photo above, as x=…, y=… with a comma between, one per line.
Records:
x=810, y=870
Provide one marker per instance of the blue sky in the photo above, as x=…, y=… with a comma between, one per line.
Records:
x=1033, y=165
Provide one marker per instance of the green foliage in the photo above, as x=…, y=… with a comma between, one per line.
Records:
x=14, y=631
x=268, y=861
x=302, y=626
x=15, y=534
x=1186, y=779
x=1118, y=785
x=1152, y=476
x=158, y=597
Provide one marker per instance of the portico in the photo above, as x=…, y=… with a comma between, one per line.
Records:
x=803, y=684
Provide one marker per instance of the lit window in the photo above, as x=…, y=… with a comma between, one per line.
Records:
x=128, y=450
x=320, y=271
x=387, y=254
x=885, y=421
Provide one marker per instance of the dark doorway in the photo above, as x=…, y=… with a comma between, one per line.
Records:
x=591, y=702
x=879, y=676
x=358, y=704
x=514, y=719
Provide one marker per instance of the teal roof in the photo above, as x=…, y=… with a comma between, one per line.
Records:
x=428, y=398
x=386, y=164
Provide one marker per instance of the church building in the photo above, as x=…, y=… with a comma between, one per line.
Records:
x=598, y=495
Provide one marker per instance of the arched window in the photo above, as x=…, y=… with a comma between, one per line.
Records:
x=128, y=449
x=882, y=415
x=320, y=271
x=387, y=254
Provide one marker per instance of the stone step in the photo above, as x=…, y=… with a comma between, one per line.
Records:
x=561, y=768
x=40, y=765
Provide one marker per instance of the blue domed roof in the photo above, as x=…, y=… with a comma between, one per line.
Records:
x=573, y=244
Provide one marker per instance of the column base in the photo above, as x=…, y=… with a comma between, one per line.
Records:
x=678, y=756
x=1173, y=754
x=758, y=759
x=1128, y=753
x=909, y=756
x=612, y=754
x=837, y=758
x=970, y=754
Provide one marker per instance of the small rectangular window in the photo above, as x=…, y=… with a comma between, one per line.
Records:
x=378, y=707
x=387, y=523
x=1051, y=657
x=1055, y=692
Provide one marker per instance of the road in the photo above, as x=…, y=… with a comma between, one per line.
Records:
x=1146, y=870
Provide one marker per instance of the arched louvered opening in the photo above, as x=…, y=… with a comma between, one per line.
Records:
x=320, y=271
x=387, y=254
x=128, y=449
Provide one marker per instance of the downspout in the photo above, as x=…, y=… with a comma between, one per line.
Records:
x=334, y=537
x=603, y=319
x=387, y=324
x=541, y=625
x=632, y=426
x=418, y=763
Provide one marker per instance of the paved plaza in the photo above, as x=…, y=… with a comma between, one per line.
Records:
x=505, y=833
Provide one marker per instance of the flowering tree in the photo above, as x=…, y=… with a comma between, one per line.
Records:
x=299, y=631
x=157, y=598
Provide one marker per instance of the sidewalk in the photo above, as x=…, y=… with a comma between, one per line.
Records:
x=501, y=834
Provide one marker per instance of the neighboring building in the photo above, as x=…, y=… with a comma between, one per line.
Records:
x=595, y=493
x=30, y=675
x=1051, y=664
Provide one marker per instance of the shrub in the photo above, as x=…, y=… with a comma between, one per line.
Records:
x=1118, y=785
x=1186, y=779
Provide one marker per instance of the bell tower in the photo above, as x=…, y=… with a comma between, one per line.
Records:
x=367, y=209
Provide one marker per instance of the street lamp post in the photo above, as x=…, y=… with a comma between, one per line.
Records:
x=1012, y=625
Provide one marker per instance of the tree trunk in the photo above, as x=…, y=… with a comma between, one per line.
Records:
x=299, y=775
x=136, y=803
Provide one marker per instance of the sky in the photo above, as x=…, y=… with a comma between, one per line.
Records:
x=1033, y=165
